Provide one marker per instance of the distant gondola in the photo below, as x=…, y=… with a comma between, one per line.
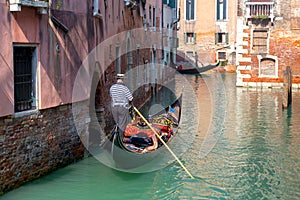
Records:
x=128, y=151
x=198, y=70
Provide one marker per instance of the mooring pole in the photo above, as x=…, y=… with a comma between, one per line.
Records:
x=287, y=87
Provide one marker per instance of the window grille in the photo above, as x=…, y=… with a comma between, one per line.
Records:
x=24, y=89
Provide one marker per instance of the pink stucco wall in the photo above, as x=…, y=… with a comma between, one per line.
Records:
x=57, y=69
x=6, y=62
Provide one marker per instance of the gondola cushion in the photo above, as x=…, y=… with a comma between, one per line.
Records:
x=161, y=127
x=134, y=129
x=141, y=140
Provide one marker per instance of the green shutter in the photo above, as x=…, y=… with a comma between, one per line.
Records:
x=216, y=38
x=172, y=3
x=195, y=37
x=184, y=38
x=227, y=39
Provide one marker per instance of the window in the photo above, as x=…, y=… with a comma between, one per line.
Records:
x=154, y=18
x=221, y=9
x=154, y=67
x=139, y=71
x=150, y=14
x=221, y=55
x=25, y=84
x=138, y=55
x=118, y=60
x=145, y=21
x=190, y=38
x=222, y=38
x=267, y=68
x=295, y=14
x=260, y=41
x=129, y=59
x=190, y=9
x=129, y=55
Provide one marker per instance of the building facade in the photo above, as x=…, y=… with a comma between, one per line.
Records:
x=208, y=28
x=58, y=60
x=267, y=42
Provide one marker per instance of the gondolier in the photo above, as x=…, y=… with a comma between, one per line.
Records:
x=121, y=99
x=196, y=59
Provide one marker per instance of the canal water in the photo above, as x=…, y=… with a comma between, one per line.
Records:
x=242, y=145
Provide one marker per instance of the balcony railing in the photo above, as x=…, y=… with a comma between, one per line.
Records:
x=260, y=9
x=190, y=26
x=41, y=5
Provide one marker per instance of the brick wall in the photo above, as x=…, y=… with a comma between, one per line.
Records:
x=284, y=49
x=34, y=145
x=286, y=46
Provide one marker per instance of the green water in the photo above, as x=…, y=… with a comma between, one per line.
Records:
x=245, y=147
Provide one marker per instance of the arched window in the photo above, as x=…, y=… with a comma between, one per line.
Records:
x=268, y=66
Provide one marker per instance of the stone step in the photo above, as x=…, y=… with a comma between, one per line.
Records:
x=239, y=75
x=245, y=43
x=245, y=59
x=243, y=67
x=245, y=35
x=243, y=51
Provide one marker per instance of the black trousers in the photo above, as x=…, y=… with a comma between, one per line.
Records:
x=121, y=117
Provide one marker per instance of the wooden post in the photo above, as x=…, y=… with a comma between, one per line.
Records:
x=287, y=87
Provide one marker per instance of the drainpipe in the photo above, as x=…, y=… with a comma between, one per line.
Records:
x=162, y=33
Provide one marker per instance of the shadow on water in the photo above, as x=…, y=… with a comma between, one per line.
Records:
x=159, y=101
x=127, y=176
x=256, y=155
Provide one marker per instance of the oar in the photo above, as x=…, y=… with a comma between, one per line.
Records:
x=162, y=141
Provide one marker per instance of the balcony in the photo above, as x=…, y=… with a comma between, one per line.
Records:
x=16, y=5
x=190, y=26
x=260, y=9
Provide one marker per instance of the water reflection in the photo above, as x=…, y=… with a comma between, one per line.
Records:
x=256, y=155
x=247, y=160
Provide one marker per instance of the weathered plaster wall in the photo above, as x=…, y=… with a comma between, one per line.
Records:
x=206, y=26
x=6, y=62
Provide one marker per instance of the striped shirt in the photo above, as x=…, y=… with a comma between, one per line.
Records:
x=120, y=94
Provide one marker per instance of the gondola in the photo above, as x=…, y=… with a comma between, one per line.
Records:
x=128, y=153
x=198, y=70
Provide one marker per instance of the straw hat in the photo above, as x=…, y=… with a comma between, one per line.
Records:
x=120, y=76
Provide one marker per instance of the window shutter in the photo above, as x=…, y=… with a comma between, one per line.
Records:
x=195, y=37
x=192, y=10
x=226, y=38
x=216, y=38
x=187, y=10
x=185, y=37
x=172, y=3
x=224, y=9
x=218, y=10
